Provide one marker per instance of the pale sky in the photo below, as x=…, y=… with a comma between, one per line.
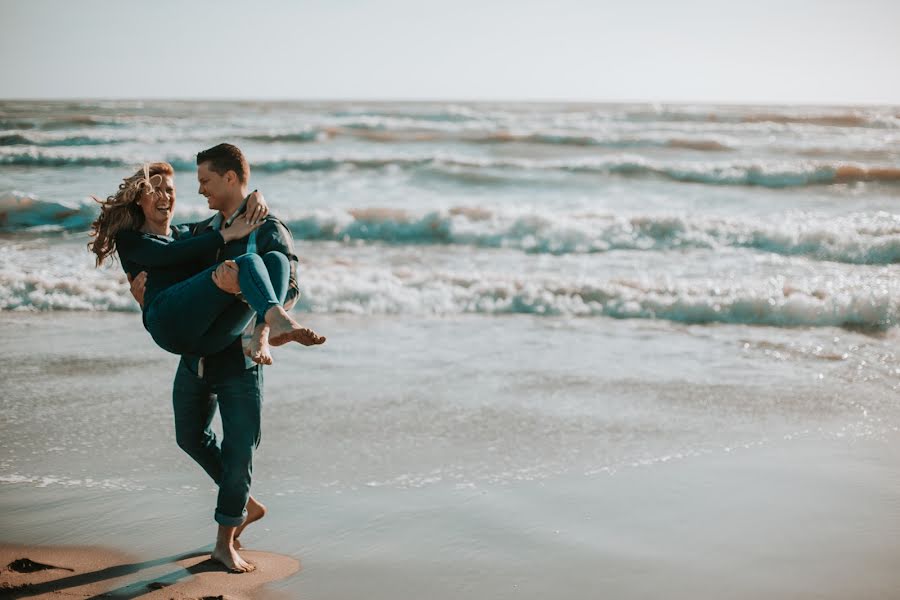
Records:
x=785, y=51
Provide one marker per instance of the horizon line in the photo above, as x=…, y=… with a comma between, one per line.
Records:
x=424, y=100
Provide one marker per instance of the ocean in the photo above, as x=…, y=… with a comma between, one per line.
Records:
x=779, y=216
x=537, y=315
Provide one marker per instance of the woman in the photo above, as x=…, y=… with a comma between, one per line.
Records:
x=187, y=309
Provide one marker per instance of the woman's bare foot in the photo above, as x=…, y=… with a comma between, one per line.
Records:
x=258, y=351
x=284, y=329
x=255, y=511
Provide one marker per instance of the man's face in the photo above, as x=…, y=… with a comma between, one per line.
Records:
x=159, y=205
x=216, y=188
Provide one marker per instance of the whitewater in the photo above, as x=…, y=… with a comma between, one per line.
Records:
x=757, y=215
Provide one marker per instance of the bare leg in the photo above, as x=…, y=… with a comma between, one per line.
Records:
x=225, y=552
x=258, y=349
x=255, y=511
x=284, y=329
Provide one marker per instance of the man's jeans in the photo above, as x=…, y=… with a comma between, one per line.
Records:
x=239, y=397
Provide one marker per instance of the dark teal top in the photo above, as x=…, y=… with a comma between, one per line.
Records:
x=167, y=260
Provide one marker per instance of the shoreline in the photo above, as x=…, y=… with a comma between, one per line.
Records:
x=807, y=518
x=90, y=571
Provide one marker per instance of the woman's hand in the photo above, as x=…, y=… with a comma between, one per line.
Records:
x=257, y=209
x=138, y=286
x=239, y=230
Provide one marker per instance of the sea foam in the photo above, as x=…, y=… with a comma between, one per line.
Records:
x=38, y=278
x=864, y=238
x=860, y=239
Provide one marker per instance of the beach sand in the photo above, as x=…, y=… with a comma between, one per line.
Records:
x=92, y=479
x=89, y=572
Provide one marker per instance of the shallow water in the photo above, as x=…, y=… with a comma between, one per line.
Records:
x=405, y=403
x=569, y=346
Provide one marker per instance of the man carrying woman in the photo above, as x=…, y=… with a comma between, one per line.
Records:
x=200, y=286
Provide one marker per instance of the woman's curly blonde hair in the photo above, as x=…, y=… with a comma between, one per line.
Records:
x=122, y=210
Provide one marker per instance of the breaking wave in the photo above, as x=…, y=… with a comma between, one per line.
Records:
x=20, y=211
x=860, y=239
x=496, y=137
x=823, y=118
x=311, y=135
x=64, y=281
x=870, y=302
x=734, y=173
x=68, y=122
x=75, y=140
x=857, y=239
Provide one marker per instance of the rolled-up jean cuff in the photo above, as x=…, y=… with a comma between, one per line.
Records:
x=227, y=521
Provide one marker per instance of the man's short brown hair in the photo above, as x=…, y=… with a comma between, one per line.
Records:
x=224, y=158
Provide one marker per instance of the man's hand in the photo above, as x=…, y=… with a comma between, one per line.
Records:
x=138, y=286
x=226, y=277
x=257, y=209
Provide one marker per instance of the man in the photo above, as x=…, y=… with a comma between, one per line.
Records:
x=230, y=378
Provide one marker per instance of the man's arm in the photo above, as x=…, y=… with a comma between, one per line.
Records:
x=274, y=236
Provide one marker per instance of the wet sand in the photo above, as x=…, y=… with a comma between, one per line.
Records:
x=810, y=515
x=807, y=520
x=89, y=572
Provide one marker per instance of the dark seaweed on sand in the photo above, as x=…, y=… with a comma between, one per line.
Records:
x=26, y=565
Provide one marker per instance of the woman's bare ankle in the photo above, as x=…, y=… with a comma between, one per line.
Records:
x=284, y=329
x=277, y=316
x=258, y=347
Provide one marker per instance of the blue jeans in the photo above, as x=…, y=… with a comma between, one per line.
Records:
x=239, y=398
x=195, y=317
x=238, y=395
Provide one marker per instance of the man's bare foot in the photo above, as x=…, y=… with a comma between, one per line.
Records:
x=284, y=329
x=258, y=350
x=228, y=556
x=255, y=511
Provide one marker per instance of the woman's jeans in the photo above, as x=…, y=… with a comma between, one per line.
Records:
x=195, y=317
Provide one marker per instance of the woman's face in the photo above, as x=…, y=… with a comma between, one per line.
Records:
x=159, y=204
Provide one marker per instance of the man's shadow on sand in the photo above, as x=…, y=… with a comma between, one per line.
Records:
x=132, y=590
